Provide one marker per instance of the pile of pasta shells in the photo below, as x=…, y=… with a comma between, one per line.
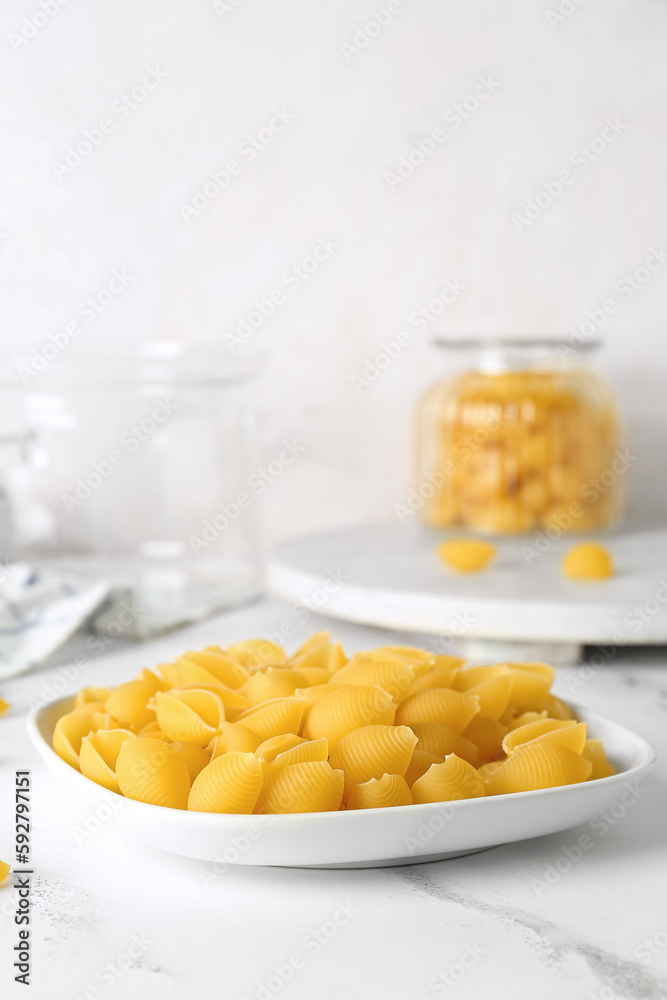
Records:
x=247, y=729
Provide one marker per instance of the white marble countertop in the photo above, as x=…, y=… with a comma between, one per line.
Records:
x=112, y=919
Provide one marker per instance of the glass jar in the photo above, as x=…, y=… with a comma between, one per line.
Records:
x=134, y=469
x=516, y=438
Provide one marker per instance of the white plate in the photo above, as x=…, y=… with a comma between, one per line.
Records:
x=362, y=838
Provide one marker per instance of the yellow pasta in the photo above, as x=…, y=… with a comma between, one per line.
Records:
x=380, y=793
x=274, y=718
x=229, y=784
x=246, y=729
x=371, y=751
x=420, y=763
x=349, y=708
x=99, y=753
x=454, y=708
x=4, y=870
x=441, y=740
x=152, y=771
x=190, y=716
x=4, y=706
x=538, y=765
x=453, y=779
x=129, y=704
x=312, y=786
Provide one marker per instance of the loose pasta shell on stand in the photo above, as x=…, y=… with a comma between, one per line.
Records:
x=451, y=780
x=229, y=784
x=152, y=771
x=312, y=786
x=99, y=753
x=380, y=793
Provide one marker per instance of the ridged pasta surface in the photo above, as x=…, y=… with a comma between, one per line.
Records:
x=538, y=765
x=394, y=675
x=274, y=718
x=446, y=782
x=380, y=793
x=152, y=771
x=189, y=716
x=454, y=708
x=441, y=740
x=371, y=751
x=349, y=708
x=419, y=764
x=99, y=753
x=229, y=784
x=129, y=704
x=312, y=786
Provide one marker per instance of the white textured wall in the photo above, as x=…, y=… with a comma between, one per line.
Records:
x=220, y=71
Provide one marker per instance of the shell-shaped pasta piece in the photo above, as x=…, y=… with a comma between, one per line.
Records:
x=443, y=661
x=316, y=641
x=528, y=689
x=315, y=675
x=223, y=669
x=468, y=677
x=348, y=708
x=421, y=660
x=328, y=656
x=371, y=751
x=233, y=736
x=556, y=708
x=196, y=758
x=395, y=676
x=152, y=729
x=441, y=740
x=420, y=763
x=129, y=704
x=274, y=718
x=538, y=765
x=594, y=752
x=572, y=736
x=256, y=652
x=494, y=695
x=272, y=683
x=148, y=677
x=232, y=699
x=487, y=735
x=308, y=750
x=90, y=696
x=4, y=871
x=486, y=770
x=436, y=678
x=532, y=730
x=513, y=719
x=71, y=728
x=170, y=675
x=312, y=786
x=453, y=779
x=454, y=708
x=380, y=793
x=269, y=749
x=99, y=753
x=229, y=784
x=310, y=696
x=543, y=670
x=152, y=771
x=189, y=715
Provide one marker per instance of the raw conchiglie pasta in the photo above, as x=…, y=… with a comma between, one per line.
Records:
x=189, y=716
x=152, y=771
x=486, y=770
x=221, y=668
x=170, y=675
x=441, y=740
x=70, y=730
x=570, y=734
x=90, y=696
x=543, y=670
x=308, y=750
x=99, y=753
x=312, y=786
x=468, y=677
x=315, y=675
x=494, y=695
x=438, y=678
x=269, y=749
x=380, y=793
x=528, y=688
x=395, y=676
x=196, y=758
x=466, y=555
x=129, y=704
x=4, y=706
x=454, y=708
x=274, y=718
x=272, y=683
x=420, y=763
x=453, y=779
x=349, y=708
x=443, y=661
x=4, y=870
x=371, y=751
x=327, y=656
x=229, y=784
x=513, y=719
x=538, y=765
x=594, y=752
x=256, y=652
x=556, y=708
x=530, y=731
x=316, y=641
x=152, y=729
x=233, y=736
x=487, y=735
x=148, y=677
x=420, y=660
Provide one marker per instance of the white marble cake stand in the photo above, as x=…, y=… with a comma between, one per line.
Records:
x=520, y=607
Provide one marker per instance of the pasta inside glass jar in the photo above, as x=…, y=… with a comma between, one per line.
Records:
x=517, y=439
